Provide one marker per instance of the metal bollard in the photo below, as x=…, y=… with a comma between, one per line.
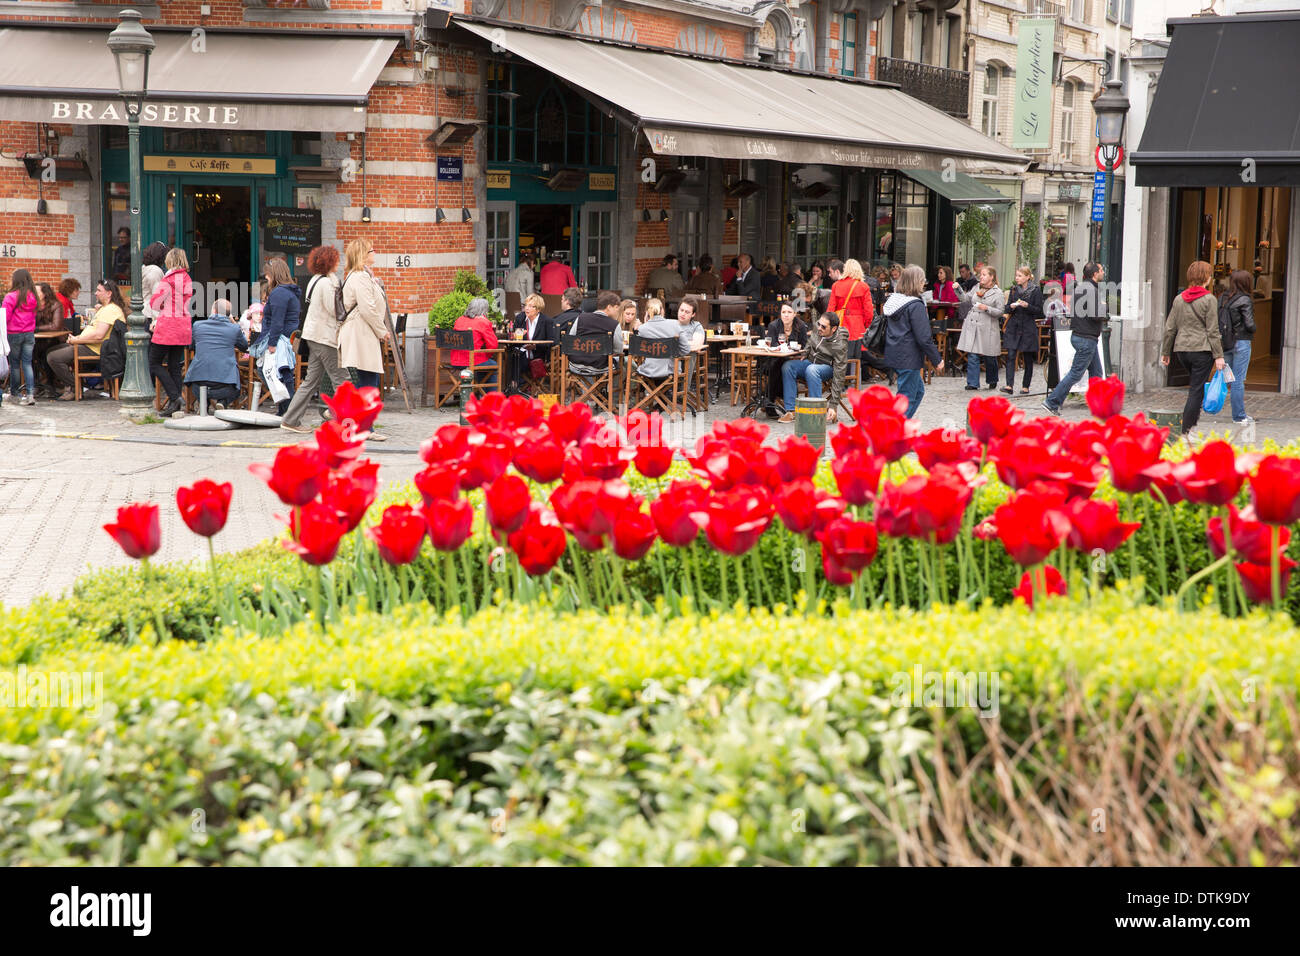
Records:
x=466, y=381
x=810, y=420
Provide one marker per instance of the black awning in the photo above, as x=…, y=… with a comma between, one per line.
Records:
x=1227, y=105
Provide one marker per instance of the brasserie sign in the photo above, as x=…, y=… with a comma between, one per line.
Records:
x=205, y=116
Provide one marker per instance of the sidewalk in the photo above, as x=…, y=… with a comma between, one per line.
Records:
x=1277, y=417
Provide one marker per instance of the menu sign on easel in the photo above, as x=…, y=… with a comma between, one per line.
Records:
x=295, y=232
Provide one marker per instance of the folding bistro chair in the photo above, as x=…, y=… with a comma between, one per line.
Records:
x=668, y=394
x=597, y=390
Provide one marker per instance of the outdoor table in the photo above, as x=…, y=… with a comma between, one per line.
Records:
x=744, y=372
x=723, y=379
x=521, y=345
x=56, y=334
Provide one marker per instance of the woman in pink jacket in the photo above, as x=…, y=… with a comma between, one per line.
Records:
x=20, y=320
x=172, y=328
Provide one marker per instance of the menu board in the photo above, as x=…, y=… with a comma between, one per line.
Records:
x=295, y=232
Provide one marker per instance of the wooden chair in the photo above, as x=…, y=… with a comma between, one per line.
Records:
x=597, y=390
x=744, y=378
x=667, y=393
x=87, y=366
x=443, y=373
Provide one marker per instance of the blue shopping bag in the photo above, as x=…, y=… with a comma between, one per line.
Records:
x=1216, y=390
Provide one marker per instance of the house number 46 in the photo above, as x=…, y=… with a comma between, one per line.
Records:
x=9, y=252
x=403, y=262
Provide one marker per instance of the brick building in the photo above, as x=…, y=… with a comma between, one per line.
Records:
x=455, y=134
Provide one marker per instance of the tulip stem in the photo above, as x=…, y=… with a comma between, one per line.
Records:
x=1229, y=553
x=889, y=573
x=902, y=578
x=740, y=581
x=317, y=587
x=1275, y=569
x=1160, y=547
x=722, y=570
x=693, y=554
x=216, y=581
x=785, y=568
x=758, y=578
x=1204, y=572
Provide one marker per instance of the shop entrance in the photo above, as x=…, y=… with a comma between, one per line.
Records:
x=547, y=229
x=216, y=223
x=1238, y=228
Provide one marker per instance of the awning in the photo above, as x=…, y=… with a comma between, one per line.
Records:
x=221, y=80
x=959, y=189
x=1227, y=106
x=695, y=107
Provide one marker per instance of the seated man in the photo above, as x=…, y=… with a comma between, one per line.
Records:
x=666, y=277
x=215, y=340
x=827, y=357
x=604, y=321
x=572, y=299
x=476, y=321
x=688, y=330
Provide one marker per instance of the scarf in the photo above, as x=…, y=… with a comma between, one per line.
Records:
x=1194, y=292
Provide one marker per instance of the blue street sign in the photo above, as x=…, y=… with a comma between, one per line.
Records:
x=450, y=169
x=1098, y=196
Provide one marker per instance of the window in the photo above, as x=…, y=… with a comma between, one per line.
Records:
x=883, y=252
x=813, y=234
x=918, y=38
x=944, y=24
x=849, y=45
x=992, y=84
x=1079, y=11
x=500, y=240
x=214, y=141
x=1113, y=9
x=912, y=213
x=546, y=123
x=811, y=18
x=1128, y=13
x=598, y=239
x=1067, y=123
x=885, y=34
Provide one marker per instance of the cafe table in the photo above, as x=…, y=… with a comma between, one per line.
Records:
x=722, y=379
x=520, y=345
x=744, y=373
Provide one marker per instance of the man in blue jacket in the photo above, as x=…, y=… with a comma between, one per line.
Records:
x=215, y=341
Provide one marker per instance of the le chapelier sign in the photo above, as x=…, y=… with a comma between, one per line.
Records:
x=1032, y=118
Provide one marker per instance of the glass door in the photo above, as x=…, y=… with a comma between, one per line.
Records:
x=596, y=266
x=500, y=230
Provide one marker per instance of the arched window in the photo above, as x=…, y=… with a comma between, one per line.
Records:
x=1067, y=122
x=992, y=90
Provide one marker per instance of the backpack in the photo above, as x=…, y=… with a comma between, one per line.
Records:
x=340, y=313
x=112, y=354
x=1226, y=335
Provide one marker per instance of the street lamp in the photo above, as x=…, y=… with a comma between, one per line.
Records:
x=131, y=45
x=1111, y=108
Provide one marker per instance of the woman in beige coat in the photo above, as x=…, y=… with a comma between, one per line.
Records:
x=364, y=331
x=320, y=330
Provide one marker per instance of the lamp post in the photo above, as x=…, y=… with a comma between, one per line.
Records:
x=131, y=45
x=1112, y=110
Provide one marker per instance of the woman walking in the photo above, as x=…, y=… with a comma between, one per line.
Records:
x=1241, y=320
x=908, y=340
x=280, y=319
x=20, y=305
x=321, y=329
x=1192, y=337
x=170, y=303
x=981, y=336
x=363, y=332
x=1020, y=336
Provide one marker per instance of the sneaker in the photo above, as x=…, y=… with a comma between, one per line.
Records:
x=786, y=419
x=375, y=436
x=1051, y=410
x=68, y=395
x=1243, y=421
x=972, y=388
x=27, y=400
x=296, y=429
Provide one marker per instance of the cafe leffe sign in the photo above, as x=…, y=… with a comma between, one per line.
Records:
x=204, y=115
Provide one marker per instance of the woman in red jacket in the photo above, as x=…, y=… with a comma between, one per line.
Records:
x=171, y=328
x=851, y=300
x=945, y=290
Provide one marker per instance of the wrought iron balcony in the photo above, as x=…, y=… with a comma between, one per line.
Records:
x=948, y=90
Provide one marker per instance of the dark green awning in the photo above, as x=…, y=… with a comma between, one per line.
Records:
x=963, y=190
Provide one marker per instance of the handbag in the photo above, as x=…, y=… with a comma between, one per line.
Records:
x=1216, y=390
x=839, y=313
x=537, y=369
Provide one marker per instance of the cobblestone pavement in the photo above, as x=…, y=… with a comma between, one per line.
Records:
x=66, y=467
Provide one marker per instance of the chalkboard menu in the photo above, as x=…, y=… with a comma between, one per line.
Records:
x=295, y=232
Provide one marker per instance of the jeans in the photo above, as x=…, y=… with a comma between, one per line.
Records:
x=1086, y=359
x=1200, y=366
x=1011, y=368
x=1239, y=360
x=973, y=362
x=22, y=345
x=911, y=385
x=363, y=379
x=814, y=375
x=167, y=365
x=322, y=368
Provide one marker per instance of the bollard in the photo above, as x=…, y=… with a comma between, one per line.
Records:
x=810, y=420
x=1166, y=418
x=466, y=381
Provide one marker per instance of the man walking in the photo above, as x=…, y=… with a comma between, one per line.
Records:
x=520, y=278
x=1088, y=314
x=557, y=276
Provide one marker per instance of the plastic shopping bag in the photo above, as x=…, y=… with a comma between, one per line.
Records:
x=1216, y=390
x=271, y=373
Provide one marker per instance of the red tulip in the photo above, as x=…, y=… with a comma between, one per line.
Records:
x=449, y=444
x=737, y=519
x=1031, y=526
x=869, y=402
x=795, y=505
x=653, y=461
x=487, y=459
x=895, y=512
x=939, y=504
x=851, y=544
x=1095, y=526
x=571, y=423
x=399, y=534
x=633, y=535
x=857, y=475
x=1053, y=582
x=539, y=456
x=836, y=573
x=340, y=442
x=680, y=512
x=539, y=544
x=349, y=496
x=1275, y=490
x=297, y=474
x=590, y=509
x=890, y=433
x=360, y=406
x=1210, y=477
x=204, y=506
x=605, y=460
x=1086, y=439
x=1164, y=482
x=1257, y=579
x=315, y=530
x=450, y=521
x=136, y=530
x=508, y=502
x=992, y=417
x=1105, y=396
x=741, y=431
x=1132, y=451
x=796, y=458
x=986, y=530
x=945, y=445
x=1252, y=540
x=438, y=481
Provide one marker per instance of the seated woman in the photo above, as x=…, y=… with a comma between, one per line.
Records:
x=826, y=357
x=49, y=318
x=536, y=327
x=475, y=320
x=790, y=330
x=111, y=311
x=945, y=289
